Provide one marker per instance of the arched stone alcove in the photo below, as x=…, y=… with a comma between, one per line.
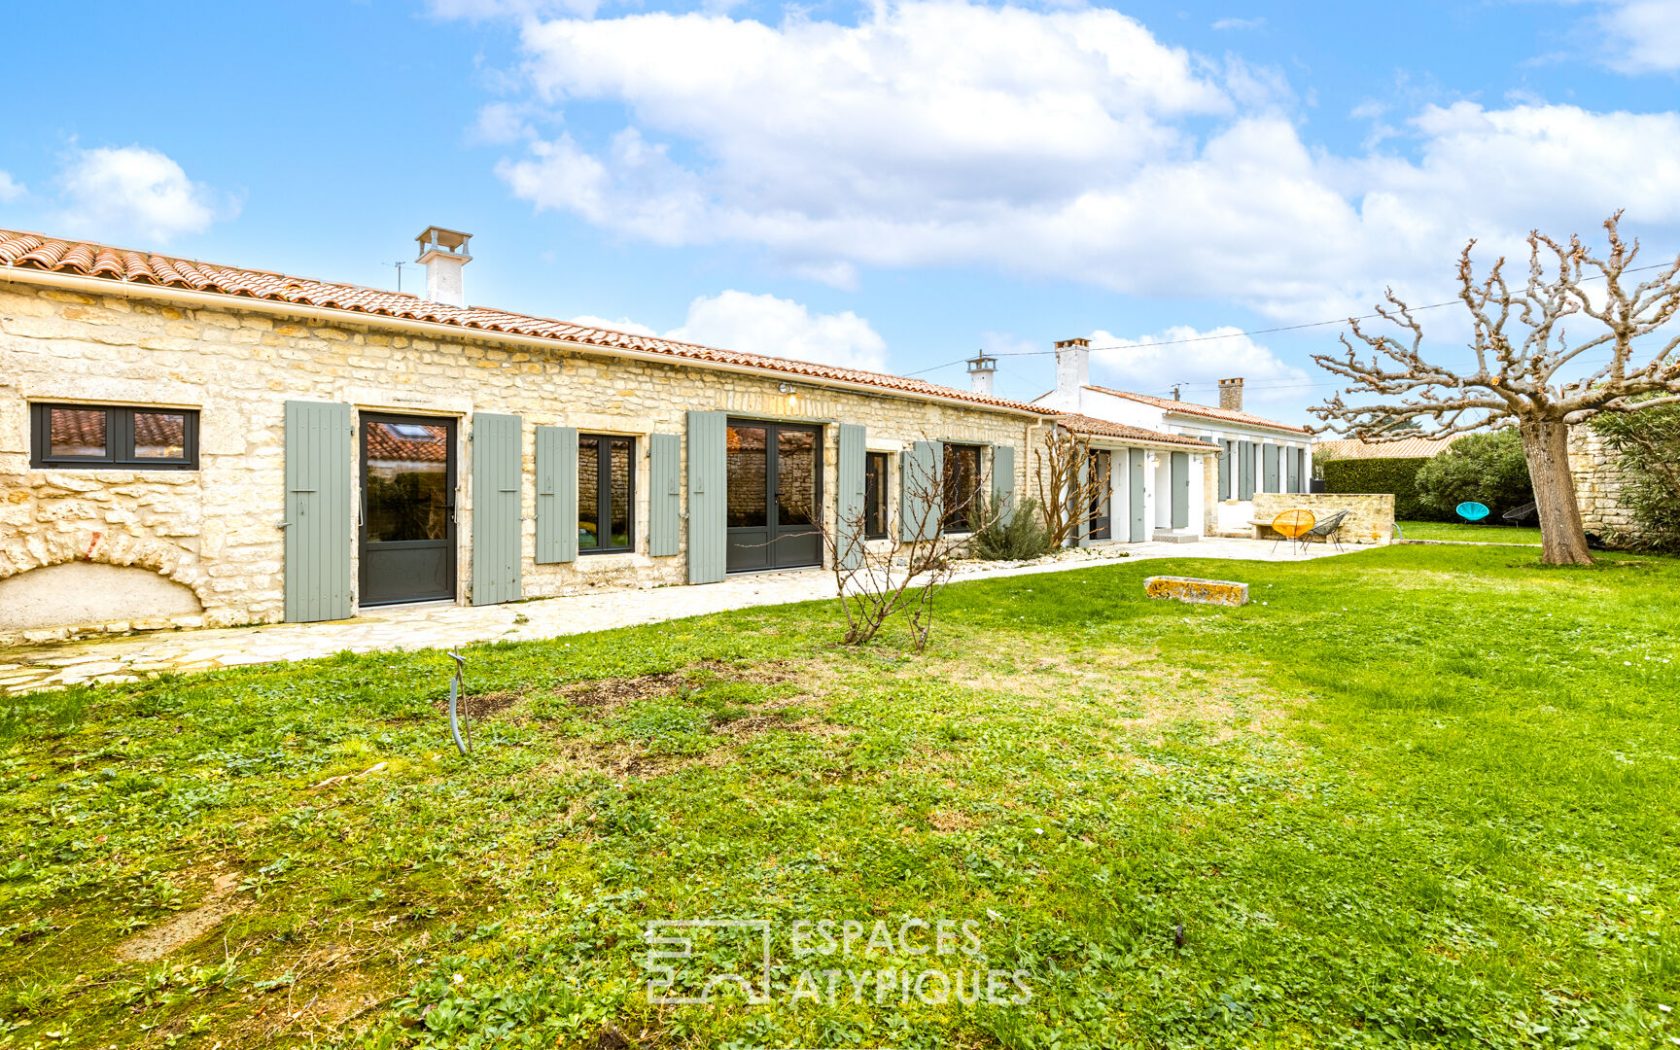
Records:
x=82, y=593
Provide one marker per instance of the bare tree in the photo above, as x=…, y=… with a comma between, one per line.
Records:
x=1070, y=492
x=1520, y=349
x=873, y=581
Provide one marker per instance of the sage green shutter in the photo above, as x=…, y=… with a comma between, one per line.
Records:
x=708, y=493
x=848, y=496
x=1003, y=482
x=1269, y=456
x=1225, y=469
x=664, y=495
x=557, y=495
x=317, y=511
x=1135, y=501
x=921, y=479
x=1292, y=461
x=1245, y=470
x=1180, y=490
x=496, y=561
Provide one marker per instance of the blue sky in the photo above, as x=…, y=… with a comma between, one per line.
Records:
x=892, y=186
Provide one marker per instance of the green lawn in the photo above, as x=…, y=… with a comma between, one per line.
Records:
x=1414, y=796
x=1455, y=530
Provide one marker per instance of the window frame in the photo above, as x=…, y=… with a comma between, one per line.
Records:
x=966, y=525
x=870, y=532
x=119, y=438
x=603, y=493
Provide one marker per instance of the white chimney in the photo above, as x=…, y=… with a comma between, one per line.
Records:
x=981, y=369
x=1073, y=366
x=444, y=253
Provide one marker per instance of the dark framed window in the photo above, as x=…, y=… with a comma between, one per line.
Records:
x=961, y=487
x=109, y=437
x=875, y=496
x=606, y=493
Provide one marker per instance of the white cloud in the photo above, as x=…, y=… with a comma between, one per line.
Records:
x=1643, y=35
x=1063, y=143
x=1225, y=24
x=765, y=324
x=10, y=188
x=133, y=191
x=1197, y=360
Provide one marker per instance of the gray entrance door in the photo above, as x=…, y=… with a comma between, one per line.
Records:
x=774, y=495
x=408, y=509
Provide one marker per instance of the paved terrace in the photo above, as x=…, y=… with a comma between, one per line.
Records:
x=442, y=626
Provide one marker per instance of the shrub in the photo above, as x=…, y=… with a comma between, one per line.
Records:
x=1396, y=476
x=1647, y=445
x=1483, y=468
x=1020, y=538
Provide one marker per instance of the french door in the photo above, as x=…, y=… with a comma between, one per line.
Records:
x=774, y=495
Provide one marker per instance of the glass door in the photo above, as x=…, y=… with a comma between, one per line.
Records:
x=407, y=509
x=775, y=495
x=1102, y=495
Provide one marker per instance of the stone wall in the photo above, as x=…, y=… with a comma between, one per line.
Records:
x=216, y=530
x=1370, y=518
x=1598, y=483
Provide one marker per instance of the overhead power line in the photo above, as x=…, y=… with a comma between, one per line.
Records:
x=1237, y=334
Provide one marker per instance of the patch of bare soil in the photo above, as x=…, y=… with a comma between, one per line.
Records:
x=756, y=724
x=605, y=694
x=185, y=928
x=481, y=706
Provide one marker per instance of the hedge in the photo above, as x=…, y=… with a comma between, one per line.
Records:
x=1398, y=476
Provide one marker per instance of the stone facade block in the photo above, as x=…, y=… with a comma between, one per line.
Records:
x=1370, y=515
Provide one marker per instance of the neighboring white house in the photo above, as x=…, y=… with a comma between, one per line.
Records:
x=1250, y=454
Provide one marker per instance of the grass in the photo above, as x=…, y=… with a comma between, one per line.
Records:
x=1415, y=796
x=1460, y=532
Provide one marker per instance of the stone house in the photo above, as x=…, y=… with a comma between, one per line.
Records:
x=188, y=444
x=1189, y=495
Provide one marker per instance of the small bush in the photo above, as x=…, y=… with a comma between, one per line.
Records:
x=1021, y=538
x=1396, y=476
x=1482, y=468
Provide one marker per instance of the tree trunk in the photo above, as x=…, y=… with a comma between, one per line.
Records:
x=1563, y=539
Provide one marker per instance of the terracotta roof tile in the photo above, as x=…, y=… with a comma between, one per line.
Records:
x=37, y=252
x=1419, y=447
x=1094, y=427
x=1189, y=409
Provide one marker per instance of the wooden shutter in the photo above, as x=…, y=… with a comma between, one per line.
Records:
x=1136, y=463
x=497, y=462
x=1292, y=460
x=708, y=491
x=1245, y=470
x=1225, y=457
x=921, y=475
x=664, y=495
x=1003, y=481
x=1180, y=470
x=848, y=496
x=317, y=511
x=557, y=495
x=1269, y=455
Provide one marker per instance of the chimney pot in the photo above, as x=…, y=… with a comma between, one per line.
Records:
x=1073, y=367
x=981, y=368
x=1231, y=394
x=444, y=254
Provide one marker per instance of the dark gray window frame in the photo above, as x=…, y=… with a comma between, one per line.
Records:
x=873, y=530
x=946, y=521
x=603, y=493
x=119, y=438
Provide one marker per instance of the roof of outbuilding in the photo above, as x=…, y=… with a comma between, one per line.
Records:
x=1090, y=426
x=19, y=250
x=1186, y=408
x=1421, y=447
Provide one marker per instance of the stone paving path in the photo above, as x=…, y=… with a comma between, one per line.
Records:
x=431, y=626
